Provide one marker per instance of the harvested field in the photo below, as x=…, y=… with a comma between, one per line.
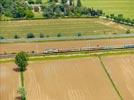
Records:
x=70, y=79
x=121, y=69
x=9, y=82
x=40, y=47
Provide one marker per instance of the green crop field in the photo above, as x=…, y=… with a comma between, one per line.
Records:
x=125, y=7
x=67, y=27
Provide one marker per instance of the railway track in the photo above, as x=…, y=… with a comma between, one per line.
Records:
x=60, y=51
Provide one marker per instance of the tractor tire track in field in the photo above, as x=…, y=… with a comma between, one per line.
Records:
x=68, y=80
x=8, y=82
x=33, y=84
x=110, y=78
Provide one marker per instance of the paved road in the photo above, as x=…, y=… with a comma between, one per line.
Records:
x=67, y=38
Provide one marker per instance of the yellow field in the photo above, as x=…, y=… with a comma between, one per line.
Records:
x=9, y=82
x=121, y=69
x=70, y=79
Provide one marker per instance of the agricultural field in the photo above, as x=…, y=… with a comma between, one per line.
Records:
x=39, y=47
x=71, y=79
x=124, y=7
x=66, y=27
x=46, y=54
x=9, y=82
x=121, y=70
x=68, y=79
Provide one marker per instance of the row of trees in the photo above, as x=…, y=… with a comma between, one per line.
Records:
x=54, y=9
x=34, y=1
x=15, y=9
x=31, y=35
x=21, y=61
x=69, y=2
x=120, y=19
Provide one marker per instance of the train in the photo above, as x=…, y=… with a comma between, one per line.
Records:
x=55, y=50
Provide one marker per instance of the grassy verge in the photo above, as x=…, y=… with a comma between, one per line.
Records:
x=22, y=78
x=55, y=39
x=73, y=55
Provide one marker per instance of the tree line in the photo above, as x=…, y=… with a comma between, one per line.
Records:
x=21, y=60
x=41, y=35
x=22, y=9
x=15, y=9
x=67, y=8
x=120, y=19
x=34, y=1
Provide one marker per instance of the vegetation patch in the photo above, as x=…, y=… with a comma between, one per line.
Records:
x=73, y=55
x=116, y=7
x=67, y=27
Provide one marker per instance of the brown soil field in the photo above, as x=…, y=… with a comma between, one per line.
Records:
x=40, y=47
x=68, y=79
x=9, y=82
x=121, y=69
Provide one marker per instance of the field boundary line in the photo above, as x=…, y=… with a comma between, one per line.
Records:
x=110, y=78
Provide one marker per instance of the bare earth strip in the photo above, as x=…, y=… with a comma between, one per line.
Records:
x=9, y=81
x=121, y=69
x=69, y=79
x=40, y=47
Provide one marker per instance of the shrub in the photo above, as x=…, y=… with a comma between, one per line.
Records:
x=59, y=35
x=22, y=92
x=79, y=34
x=33, y=52
x=31, y=1
x=107, y=16
x=30, y=35
x=36, y=9
x=47, y=36
x=128, y=31
x=29, y=14
x=16, y=36
x=1, y=37
x=42, y=35
x=38, y=1
x=114, y=33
